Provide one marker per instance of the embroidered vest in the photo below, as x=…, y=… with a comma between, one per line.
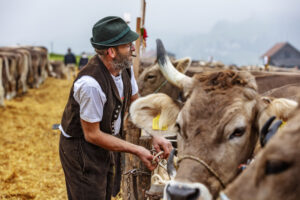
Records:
x=113, y=106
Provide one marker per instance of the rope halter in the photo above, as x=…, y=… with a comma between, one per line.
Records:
x=205, y=165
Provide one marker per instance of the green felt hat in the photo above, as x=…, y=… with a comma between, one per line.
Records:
x=112, y=31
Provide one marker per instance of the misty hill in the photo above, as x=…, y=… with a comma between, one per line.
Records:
x=239, y=43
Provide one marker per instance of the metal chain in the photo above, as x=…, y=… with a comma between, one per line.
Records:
x=153, y=196
x=128, y=182
x=138, y=172
x=128, y=187
x=133, y=172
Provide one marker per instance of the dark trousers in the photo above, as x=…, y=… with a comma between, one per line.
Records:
x=88, y=169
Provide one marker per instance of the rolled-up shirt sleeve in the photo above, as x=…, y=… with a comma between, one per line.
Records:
x=91, y=99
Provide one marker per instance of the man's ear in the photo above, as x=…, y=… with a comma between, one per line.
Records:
x=112, y=52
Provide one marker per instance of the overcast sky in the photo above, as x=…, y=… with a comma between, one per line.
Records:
x=59, y=24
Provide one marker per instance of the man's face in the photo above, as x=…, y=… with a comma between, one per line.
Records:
x=123, y=59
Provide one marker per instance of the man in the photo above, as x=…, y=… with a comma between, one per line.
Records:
x=266, y=63
x=69, y=58
x=91, y=125
x=83, y=60
x=70, y=62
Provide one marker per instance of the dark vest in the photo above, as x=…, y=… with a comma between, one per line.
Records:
x=113, y=106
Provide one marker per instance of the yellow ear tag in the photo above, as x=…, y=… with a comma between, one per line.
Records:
x=283, y=124
x=155, y=124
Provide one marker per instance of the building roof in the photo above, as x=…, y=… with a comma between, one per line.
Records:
x=274, y=49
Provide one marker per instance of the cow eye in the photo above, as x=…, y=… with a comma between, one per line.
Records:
x=238, y=132
x=276, y=166
x=150, y=76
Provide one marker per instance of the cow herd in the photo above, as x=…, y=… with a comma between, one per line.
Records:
x=218, y=117
x=25, y=67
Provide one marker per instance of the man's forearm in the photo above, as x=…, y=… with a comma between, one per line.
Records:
x=112, y=143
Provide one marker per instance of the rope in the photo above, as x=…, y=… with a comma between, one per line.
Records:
x=156, y=156
x=163, y=83
x=204, y=164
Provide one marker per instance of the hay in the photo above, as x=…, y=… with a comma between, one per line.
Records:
x=29, y=161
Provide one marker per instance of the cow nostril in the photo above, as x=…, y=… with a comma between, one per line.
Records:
x=175, y=192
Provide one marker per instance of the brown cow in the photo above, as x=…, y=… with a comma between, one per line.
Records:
x=39, y=62
x=43, y=64
x=275, y=172
x=23, y=70
x=267, y=81
x=151, y=80
x=218, y=128
x=22, y=66
x=10, y=75
x=1, y=85
x=5, y=75
x=47, y=70
x=59, y=69
x=291, y=91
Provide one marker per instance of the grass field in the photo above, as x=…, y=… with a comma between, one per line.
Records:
x=55, y=56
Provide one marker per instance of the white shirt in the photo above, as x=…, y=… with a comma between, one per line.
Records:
x=91, y=99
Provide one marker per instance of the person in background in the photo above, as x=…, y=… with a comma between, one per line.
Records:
x=69, y=58
x=266, y=63
x=92, y=122
x=70, y=62
x=83, y=60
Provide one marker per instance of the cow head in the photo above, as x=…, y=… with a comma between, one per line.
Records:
x=275, y=172
x=152, y=80
x=217, y=127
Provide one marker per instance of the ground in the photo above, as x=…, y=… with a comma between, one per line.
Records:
x=29, y=160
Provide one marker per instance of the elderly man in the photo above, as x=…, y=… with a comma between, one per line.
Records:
x=91, y=125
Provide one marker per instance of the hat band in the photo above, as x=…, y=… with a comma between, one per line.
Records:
x=117, y=37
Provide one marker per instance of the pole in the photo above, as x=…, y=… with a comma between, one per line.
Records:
x=143, y=9
x=136, y=60
x=143, y=14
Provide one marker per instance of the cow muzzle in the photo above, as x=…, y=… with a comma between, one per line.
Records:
x=186, y=191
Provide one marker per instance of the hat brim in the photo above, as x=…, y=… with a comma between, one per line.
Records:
x=128, y=38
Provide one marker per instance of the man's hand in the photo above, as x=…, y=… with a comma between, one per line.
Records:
x=146, y=157
x=162, y=144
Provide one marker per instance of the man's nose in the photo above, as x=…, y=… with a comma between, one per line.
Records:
x=132, y=47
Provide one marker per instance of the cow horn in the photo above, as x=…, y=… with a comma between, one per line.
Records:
x=170, y=165
x=267, y=132
x=166, y=67
x=223, y=196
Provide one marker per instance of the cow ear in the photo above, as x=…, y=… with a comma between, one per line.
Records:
x=160, y=107
x=280, y=107
x=266, y=100
x=183, y=64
